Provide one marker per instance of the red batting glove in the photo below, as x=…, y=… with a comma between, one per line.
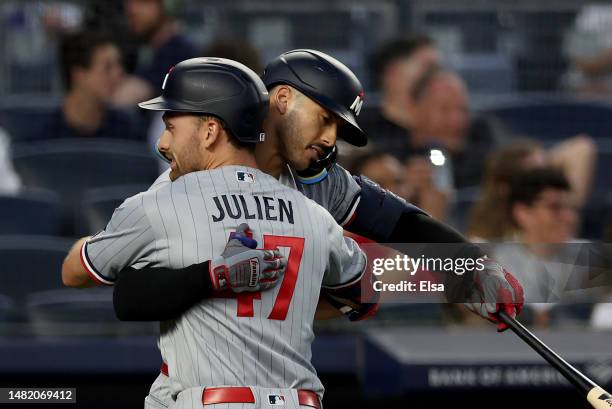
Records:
x=495, y=290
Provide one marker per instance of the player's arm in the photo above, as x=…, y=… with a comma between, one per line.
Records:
x=96, y=260
x=74, y=273
x=386, y=218
x=345, y=277
x=137, y=291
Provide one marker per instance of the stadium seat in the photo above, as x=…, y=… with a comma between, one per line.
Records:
x=98, y=205
x=23, y=118
x=414, y=314
x=603, y=173
x=71, y=166
x=31, y=263
x=553, y=120
x=571, y=314
x=32, y=211
x=73, y=312
x=6, y=307
x=485, y=72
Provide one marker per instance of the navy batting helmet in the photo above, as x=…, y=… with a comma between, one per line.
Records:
x=218, y=87
x=326, y=81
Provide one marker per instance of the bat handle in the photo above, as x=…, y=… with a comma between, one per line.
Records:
x=575, y=377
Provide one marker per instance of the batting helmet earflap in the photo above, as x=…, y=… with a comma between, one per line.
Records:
x=219, y=87
x=326, y=81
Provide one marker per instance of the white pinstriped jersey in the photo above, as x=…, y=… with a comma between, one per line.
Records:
x=338, y=193
x=260, y=339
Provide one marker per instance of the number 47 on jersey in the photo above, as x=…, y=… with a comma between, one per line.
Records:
x=285, y=294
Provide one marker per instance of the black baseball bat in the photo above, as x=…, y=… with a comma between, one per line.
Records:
x=595, y=394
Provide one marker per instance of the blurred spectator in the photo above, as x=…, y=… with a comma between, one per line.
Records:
x=237, y=50
x=9, y=181
x=413, y=181
x=383, y=169
x=429, y=186
x=588, y=48
x=543, y=218
x=489, y=219
x=397, y=66
x=441, y=119
x=162, y=45
x=91, y=70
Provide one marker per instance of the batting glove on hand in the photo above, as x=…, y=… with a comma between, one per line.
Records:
x=495, y=290
x=242, y=267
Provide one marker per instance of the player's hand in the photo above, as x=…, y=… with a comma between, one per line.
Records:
x=242, y=267
x=495, y=290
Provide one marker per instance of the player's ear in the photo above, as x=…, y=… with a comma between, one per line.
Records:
x=281, y=97
x=210, y=131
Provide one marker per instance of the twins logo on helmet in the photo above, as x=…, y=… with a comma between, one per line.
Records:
x=357, y=103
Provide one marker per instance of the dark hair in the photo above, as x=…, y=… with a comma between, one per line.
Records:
x=77, y=50
x=527, y=185
x=395, y=50
x=237, y=50
x=489, y=218
x=358, y=162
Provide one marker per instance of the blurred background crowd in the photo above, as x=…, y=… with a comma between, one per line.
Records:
x=493, y=116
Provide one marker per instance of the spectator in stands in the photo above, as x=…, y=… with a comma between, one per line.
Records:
x=489, y=219
x=91, y=70
x=414, y=181
x=9, y=181
x=396, y=67
x=588, y=47
x=162, y=45
x=441, y=119
x=383, y=169
x=543, y=218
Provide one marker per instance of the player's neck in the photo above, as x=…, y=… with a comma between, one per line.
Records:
x=268, y=155
x=82, y=112
x=237, y=157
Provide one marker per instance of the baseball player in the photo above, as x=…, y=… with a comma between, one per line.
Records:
x=313, y=99
x=237, y=346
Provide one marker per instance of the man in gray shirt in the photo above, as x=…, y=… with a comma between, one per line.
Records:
x=234, y=347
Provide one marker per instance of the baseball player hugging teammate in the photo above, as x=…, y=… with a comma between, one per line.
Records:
x=313, y=100
x=237, y=346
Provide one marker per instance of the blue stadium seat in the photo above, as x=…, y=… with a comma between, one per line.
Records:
x=553, y=120
x=72, y=166
x=79, y=312
x=98, y=205
x=6, y=308
x=32, y=211
x=485, y=72
x=24, y=117
x=414, y=314
x=603, y=174
x=31, y=263
x=571, y=314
